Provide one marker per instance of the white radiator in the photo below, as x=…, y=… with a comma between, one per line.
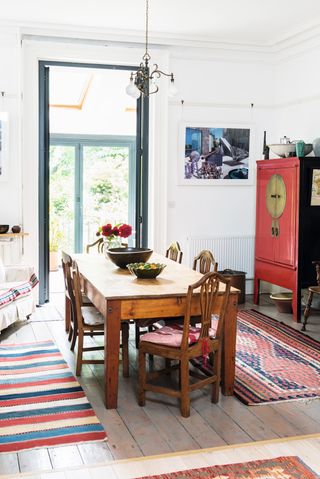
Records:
x=231, y=252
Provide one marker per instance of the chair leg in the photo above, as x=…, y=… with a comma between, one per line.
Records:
x=142, y=379
x=125, y=349
x=307, y=311
x=67, y=317
x=79, y=354
x=217, y=372
x=137, y=335
x=74, y=332
x=184, y=388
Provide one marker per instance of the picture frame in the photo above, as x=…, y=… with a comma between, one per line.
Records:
x=215, y=154
x=4, y=145
x=315, y=187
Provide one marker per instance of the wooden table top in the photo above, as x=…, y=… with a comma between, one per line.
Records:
x=116, y=283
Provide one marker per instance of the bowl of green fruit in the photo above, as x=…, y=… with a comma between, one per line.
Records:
x=146, y=270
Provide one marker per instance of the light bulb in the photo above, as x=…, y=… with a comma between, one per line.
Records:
x=173, y=90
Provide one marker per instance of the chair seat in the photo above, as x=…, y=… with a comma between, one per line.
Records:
x=91, y=316
x=172, y=335
x=314, y=289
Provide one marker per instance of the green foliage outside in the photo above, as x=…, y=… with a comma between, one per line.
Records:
x=105, y=191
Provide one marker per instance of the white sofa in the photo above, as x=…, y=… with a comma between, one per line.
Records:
x=16, y=293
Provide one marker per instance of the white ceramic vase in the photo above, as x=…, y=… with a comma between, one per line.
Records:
x=316, y=146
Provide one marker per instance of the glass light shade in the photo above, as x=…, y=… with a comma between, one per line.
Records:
x=132, y=90
x=173, y=90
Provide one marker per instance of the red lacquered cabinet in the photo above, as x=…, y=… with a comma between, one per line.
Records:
x=287, y=226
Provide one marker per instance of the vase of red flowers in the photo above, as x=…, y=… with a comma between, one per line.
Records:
x=113, y=235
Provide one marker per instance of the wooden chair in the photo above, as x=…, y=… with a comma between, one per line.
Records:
x=98, y=244
x=312, y=290
x=89, y=322
x=69, y=314
x=184, y=342
x=204, y=262
x=174, y=252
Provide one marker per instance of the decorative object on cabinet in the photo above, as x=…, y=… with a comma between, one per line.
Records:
x=215, y=154
x=286, y=150
x=286, y=226
x=312, y=290
x=316, y=146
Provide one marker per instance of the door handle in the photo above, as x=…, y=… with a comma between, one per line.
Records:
x=275, y=196
x=272, y=230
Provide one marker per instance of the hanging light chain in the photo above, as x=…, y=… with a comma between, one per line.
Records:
x=139, y=80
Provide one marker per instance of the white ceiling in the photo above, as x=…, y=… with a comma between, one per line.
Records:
x=255, y=22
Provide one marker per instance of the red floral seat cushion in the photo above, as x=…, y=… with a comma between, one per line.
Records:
x=172, y=335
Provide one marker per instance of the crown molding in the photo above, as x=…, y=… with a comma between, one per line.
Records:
x=180, y=46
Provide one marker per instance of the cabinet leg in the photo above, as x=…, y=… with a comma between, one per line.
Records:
x=256, y=290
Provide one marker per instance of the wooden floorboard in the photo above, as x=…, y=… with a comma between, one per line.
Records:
x=158, y=428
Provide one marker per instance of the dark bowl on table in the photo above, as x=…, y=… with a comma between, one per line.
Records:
x=146, y=270
x=123, y=256
x=4, y=229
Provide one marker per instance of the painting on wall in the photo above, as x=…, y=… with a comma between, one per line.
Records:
x=315, y=188
x=3, y=145
x=216, y=155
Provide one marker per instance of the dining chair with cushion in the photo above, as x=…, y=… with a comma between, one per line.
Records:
x=312, y=290
x=174, y=252
x=183, y=342
x=205, y=262
x=89, y=322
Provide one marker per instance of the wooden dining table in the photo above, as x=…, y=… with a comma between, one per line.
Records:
x=120, y=296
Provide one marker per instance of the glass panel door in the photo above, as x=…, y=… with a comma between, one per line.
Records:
x=62, y=198
x=106, y=172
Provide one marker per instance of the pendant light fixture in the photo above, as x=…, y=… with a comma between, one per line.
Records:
x=143, y=80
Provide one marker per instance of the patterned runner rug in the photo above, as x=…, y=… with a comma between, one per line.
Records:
x=41, y=402
x=274, y=362
x=279, y=468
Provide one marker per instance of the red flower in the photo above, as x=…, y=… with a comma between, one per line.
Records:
x=115, y=231
x=125, y=230
x=107, y=230
x=120, y=229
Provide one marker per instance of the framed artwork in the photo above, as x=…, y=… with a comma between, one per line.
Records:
x=315, y=188
x=4, y=144
x=215, y=154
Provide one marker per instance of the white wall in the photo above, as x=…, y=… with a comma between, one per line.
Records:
x=219, y=93
x=10, y=189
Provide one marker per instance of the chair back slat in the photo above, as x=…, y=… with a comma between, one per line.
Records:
x=77, y=296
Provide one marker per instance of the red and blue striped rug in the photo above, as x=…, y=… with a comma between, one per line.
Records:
x=41, y=402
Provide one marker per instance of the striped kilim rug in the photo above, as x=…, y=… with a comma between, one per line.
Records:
x=274, y=362
x=290, y=467
x=41, y=402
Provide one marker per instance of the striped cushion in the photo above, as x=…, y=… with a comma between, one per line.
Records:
x=11, y=291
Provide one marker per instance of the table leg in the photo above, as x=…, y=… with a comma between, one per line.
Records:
x=229, y=346
x=111, y=353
